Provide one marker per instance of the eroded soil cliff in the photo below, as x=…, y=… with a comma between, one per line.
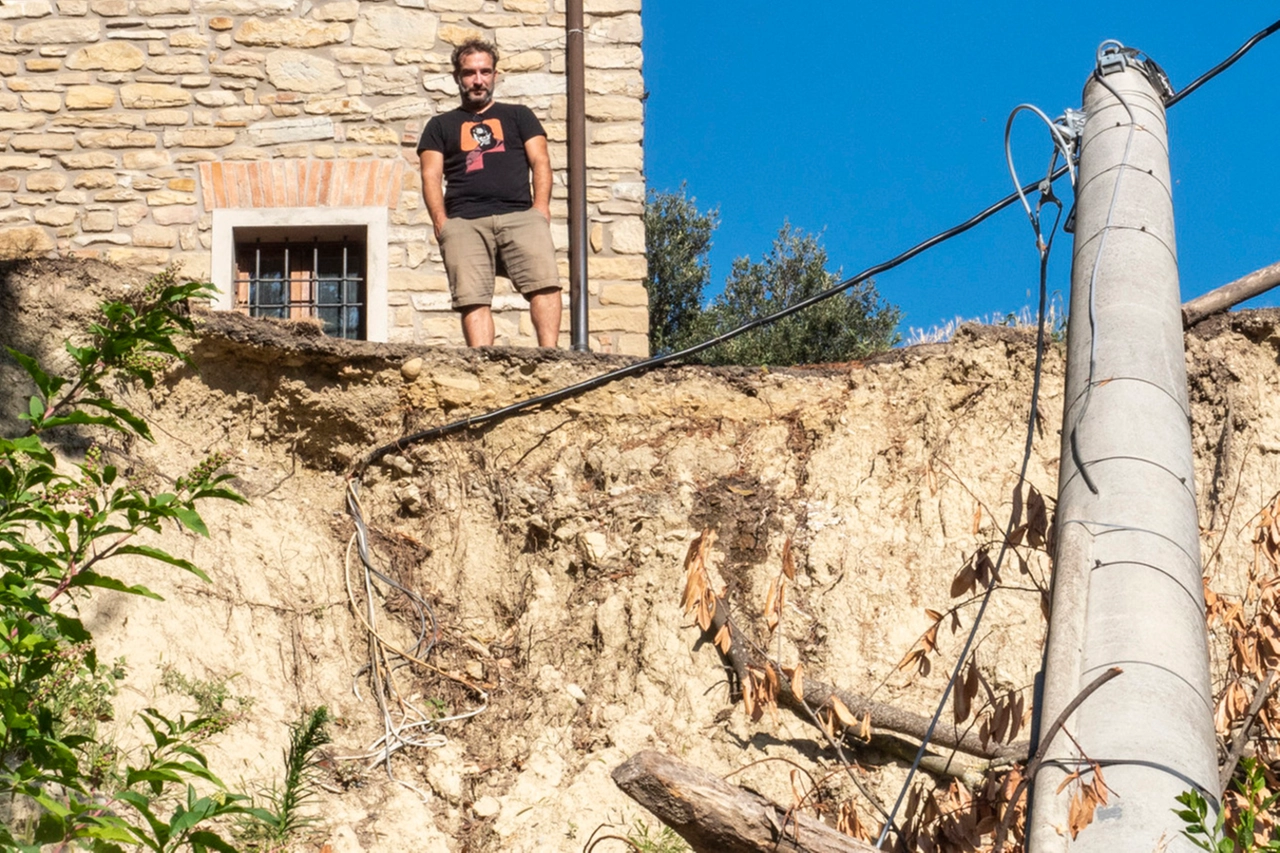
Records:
x=551, y=546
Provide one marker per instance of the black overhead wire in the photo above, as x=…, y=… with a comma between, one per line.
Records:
x=1223, y=65
x=658, y=361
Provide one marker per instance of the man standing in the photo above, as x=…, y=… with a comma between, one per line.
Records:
x=487, y=152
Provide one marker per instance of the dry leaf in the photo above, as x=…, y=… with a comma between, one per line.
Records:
x=864, y=729
x=797, y=682
x=1081, y=812
x=724, y=638
x=772, y=608
x=977, y=519
x=963, y=697
x=746, y=493
x=788, y=560
x=963, y=582
x=847, y=719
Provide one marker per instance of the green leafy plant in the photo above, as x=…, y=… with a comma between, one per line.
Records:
x=664, y=841
x=1236, y=827
x=282, y=817
x=215, y=703
x=61, y=527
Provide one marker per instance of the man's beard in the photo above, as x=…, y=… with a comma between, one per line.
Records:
x=472, y=98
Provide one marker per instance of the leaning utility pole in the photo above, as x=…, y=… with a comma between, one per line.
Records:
x=1127, y=587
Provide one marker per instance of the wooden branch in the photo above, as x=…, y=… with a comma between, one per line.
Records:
x=716, y=817
x=1195, y=310
x=883, y=716
x=1033, y=766
x=1265, y=689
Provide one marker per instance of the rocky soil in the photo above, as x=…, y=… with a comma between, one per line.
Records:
x=551, y=545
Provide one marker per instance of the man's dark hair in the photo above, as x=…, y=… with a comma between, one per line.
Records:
x=469, y=47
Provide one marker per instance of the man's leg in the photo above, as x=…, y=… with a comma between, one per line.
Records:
x=468, y=246
x=544, y=310
x=477, y=325
x=524, y=242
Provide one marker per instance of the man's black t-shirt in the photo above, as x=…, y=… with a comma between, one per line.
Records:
x=485, y=167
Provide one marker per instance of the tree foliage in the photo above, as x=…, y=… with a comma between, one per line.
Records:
x=677, y=240
x=849, y=325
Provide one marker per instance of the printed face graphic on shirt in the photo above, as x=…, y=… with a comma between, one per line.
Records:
x=480, y=138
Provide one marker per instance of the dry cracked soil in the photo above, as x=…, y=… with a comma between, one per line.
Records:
x=550, y=546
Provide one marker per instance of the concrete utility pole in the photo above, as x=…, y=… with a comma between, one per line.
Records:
x=1126, y=585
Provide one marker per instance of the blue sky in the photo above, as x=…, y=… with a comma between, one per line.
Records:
x=882, y=124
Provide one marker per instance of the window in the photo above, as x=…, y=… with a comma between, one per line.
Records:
x=329, y=263
x=290, y=280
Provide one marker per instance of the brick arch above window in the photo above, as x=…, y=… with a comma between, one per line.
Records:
x=301, y=183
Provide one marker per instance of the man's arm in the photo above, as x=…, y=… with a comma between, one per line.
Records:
x=432, y=163
x=535, y=149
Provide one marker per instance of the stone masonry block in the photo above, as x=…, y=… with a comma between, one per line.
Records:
x=24, y=162
x=633, y=295
x=149, y=96
x=626, y=236
x=620, y=320
x=155, y=236
x=42, y=142
x=624, y=56
x=290, y=32
x=145, y=258
x=117, y=139
x=58, y=31
x=56, y=216
x=244, y=7
x=614, y=108
x=90, y=97
x=387, y=29
x=24, y=242
x=95, y=180
x=45, y=102
x=45, y=182
x=98, y=221
x=624, y=29
x=300, y=71
x=175, y=215
x=347, y=11
x=455, y=35
x=634, y=344
x=529, y=38
x=107, y=56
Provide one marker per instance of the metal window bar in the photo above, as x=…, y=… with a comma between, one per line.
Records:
x=286, y=283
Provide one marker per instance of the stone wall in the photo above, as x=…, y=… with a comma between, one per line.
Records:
x=124, y=124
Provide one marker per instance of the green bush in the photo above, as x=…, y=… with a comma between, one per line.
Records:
x=61, y=528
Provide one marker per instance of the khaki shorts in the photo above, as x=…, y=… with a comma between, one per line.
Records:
x=521, y=241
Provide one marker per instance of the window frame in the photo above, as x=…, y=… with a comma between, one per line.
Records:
x=300, y=224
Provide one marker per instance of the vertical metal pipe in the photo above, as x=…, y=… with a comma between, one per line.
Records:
x=1126, y=587
x=577, y=131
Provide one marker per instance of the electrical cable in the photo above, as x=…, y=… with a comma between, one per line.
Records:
x=1223, y=65
x=1073, y=433
x=397, y=734
x=657, y=361
x=1043, y=246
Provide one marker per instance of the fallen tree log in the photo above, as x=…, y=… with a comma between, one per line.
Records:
x=716, y=817
x=1195, y=310
x=818, y=694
